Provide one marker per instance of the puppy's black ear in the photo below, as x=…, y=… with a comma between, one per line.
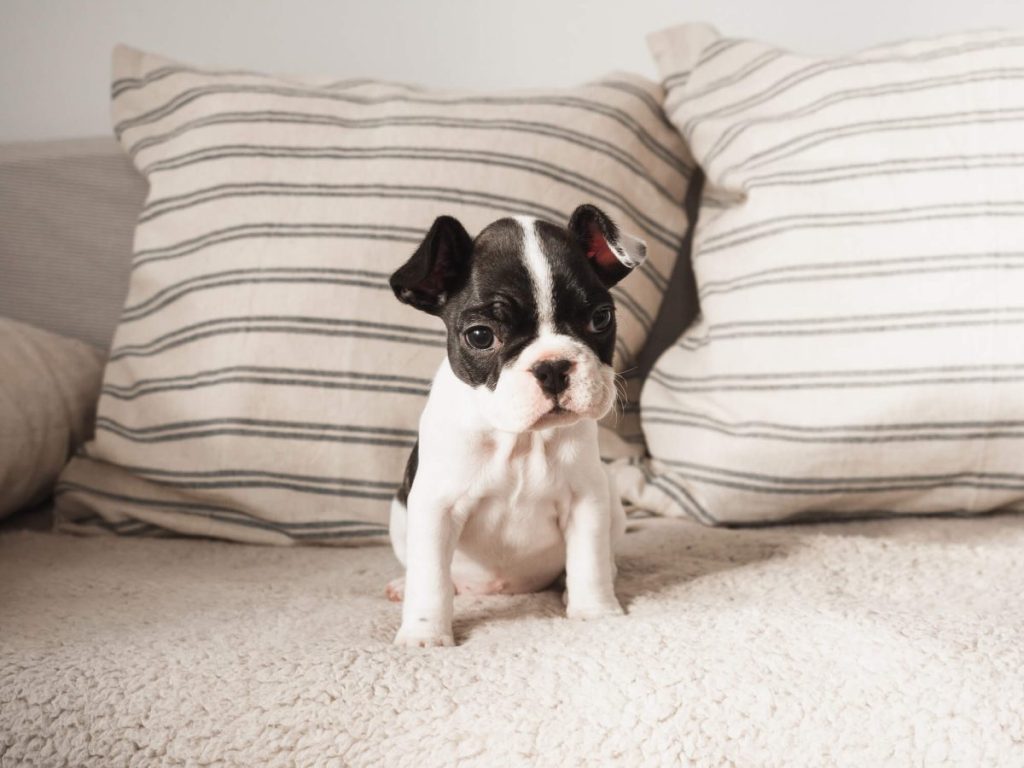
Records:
x=612, y=254
x=438, y=267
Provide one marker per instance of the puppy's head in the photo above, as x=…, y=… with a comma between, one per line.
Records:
x=531, y=324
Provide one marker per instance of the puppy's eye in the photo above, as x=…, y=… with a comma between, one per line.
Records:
x=480, y=337
x=601, y=319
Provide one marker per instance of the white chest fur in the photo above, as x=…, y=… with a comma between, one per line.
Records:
x=523, y=468
x=511, y=540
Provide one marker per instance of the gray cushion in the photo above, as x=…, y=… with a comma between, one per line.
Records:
x=67, y=216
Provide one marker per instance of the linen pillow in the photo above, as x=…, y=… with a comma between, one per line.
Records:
x=264, y=385
x=48, y=392
x=859, y=264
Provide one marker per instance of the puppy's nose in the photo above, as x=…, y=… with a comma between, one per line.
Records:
x=552, y=375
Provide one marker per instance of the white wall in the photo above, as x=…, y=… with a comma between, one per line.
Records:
x=54, y=54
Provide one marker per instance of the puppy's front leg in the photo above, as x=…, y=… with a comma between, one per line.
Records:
x=589, y=564
x=427, y=609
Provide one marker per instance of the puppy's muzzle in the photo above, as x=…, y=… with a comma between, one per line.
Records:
x=553, y=376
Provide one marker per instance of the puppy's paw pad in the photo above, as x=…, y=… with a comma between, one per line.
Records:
x=395, y=590
x=589, y=611
x=423, y=640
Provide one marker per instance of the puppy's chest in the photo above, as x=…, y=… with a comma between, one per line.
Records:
x=523, y=468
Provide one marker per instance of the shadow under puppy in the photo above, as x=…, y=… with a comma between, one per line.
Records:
x=505, y=488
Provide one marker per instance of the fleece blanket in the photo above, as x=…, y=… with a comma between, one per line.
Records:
x=897, y=643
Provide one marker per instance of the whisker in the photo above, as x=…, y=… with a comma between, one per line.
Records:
x=612, y=389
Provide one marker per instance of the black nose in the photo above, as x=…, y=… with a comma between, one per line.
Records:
x=552, y=375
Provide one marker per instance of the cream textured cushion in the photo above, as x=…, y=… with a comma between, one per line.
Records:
x=860, y=264
x=48, y=390
x=882, y=644
x=264, y=384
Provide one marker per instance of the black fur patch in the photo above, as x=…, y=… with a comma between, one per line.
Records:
x=498, y=294
x=410, y=474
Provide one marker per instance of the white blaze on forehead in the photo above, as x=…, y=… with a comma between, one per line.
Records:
x=539, y=269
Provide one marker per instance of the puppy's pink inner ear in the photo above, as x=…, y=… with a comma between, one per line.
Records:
x=600, y=252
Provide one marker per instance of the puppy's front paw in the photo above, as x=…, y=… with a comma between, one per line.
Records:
x=593, y=609
x=423, y=636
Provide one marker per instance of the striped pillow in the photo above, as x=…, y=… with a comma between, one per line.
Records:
x=264, y=385
x=860, y=267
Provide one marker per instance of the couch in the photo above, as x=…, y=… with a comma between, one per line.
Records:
x=852, y=644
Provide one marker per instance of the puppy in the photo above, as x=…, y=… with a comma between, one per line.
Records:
x=505, y=488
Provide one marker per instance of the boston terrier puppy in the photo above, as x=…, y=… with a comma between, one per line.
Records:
x=505, y=488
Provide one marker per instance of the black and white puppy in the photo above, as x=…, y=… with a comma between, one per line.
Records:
x=505, y=488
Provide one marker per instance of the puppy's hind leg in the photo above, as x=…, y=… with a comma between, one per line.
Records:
x=395, y=589
x=618, y=522
x=400, y=522
x=397, y=528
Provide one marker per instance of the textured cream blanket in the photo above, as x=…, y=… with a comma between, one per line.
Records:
x=892, y=643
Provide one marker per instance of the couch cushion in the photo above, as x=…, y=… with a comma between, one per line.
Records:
x=264, y=384
x=798, y=646
x=67, y=214
x=859, y=265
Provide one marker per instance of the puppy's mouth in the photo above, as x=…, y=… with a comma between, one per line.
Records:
x=556, y=416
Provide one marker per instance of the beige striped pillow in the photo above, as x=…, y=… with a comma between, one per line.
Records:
x=861, y=274
x=264, y=385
